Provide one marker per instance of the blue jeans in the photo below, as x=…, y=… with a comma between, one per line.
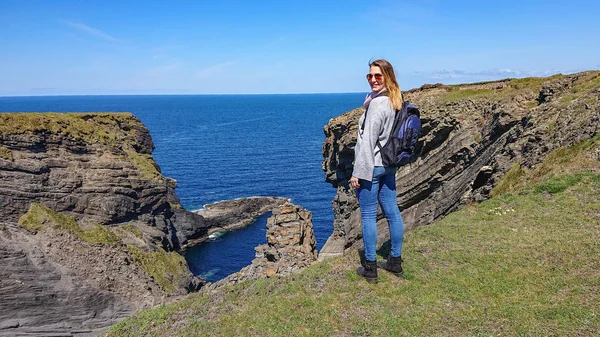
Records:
x=382, y=188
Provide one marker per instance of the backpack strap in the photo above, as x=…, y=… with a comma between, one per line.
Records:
x=398, y=120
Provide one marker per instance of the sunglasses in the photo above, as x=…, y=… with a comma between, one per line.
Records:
x=378, y=77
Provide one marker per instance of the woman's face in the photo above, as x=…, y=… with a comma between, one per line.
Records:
x=375, y=78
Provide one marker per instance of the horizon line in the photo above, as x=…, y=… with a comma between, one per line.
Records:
x=180, y=94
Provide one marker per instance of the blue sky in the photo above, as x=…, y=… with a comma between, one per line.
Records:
x=226, y=46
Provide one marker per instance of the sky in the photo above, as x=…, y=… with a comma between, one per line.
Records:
x=284, y=46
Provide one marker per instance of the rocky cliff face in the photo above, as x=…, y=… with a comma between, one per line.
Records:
x=473, y=134
x=89, y=225
x=97, y=167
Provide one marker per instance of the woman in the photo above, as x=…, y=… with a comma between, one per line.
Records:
x=371, y=180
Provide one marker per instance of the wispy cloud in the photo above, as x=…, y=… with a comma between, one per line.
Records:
x=90, y=30
x=488, y=73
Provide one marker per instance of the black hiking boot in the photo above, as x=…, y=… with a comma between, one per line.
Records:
x=368, y=270
x=393, y=265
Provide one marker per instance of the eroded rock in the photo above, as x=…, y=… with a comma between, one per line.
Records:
x=290, y=247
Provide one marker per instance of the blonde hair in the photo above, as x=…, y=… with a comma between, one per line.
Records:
x=389, y=80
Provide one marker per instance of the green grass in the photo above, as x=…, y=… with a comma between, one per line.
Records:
x=509, y=87
x=515, y=265
x=103, y=128
x=510, y=180
x=559, y=184
x=455, y=93
x=144, y=163
x=561, y=169
x=534, y=83
x=164, y=267
x=39, y=216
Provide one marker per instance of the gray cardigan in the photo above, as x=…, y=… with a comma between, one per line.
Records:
x=378, y=125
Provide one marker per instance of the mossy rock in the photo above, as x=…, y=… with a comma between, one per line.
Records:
x=6, y=153
x=144, y=163
x=133, y=230
x=166, y=268
x=103, y=128
x=39, y=217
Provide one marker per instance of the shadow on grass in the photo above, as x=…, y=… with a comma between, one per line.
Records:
x=383, y=252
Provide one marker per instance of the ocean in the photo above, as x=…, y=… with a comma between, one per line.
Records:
x=221, y=147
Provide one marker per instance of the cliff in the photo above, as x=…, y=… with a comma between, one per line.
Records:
x=90, y=227
x=472, y=135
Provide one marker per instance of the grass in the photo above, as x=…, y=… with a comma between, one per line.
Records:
x=532, y=82
x=88, y=127
x=39, y=216
x=587, y=83
x=519, y=264
x=144, y=163
x=455, y=93
x=511, y=86
x=561, y=169
x=164, y=267
x=6, y=153
x=510, y=180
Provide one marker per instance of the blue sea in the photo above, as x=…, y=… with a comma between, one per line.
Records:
x=221, y=147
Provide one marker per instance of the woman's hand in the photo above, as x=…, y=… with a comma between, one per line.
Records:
x=354, y=182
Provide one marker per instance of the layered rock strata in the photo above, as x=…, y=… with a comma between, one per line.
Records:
x=472, y=135
x=291, y=246
x=91, y=227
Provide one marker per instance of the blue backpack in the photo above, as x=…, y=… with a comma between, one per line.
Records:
x=400, y=148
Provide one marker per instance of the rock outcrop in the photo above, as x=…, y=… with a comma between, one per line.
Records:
x=473, y=134
x=91, y=227
x=237, y=213
x=291, y=246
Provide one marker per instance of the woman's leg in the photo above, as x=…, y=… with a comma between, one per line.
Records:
x=389, y=206
x=367, y=200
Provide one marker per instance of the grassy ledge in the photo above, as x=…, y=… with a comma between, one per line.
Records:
x=39, y=216
x=164, y=267
x=144, y=163
x=495, y=90
x=519, y=264
x=103, y=128
x=571, y=162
